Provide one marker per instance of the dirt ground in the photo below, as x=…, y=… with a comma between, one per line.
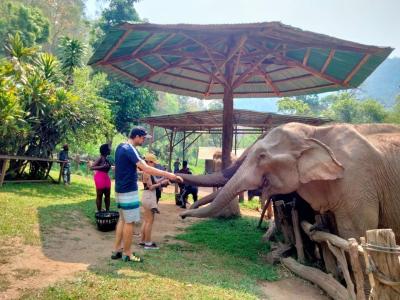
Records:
x=66, y=252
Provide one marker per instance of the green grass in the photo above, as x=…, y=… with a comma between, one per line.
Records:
x=214, y=259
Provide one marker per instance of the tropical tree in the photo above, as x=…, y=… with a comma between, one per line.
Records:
x=128, y=103
x=39, y=108
x=71, y=53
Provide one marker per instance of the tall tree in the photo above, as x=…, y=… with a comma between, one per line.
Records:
x=66, y=18
x=29, y=22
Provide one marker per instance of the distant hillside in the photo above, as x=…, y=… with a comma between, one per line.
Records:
x=384, y=83
x=257, y=104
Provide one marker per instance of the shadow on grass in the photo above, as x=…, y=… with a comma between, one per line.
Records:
x=221, y=254
x=46, y=189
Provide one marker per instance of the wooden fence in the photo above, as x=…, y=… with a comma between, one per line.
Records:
x=354, y=270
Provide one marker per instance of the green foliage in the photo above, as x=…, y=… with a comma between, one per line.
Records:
x=71, y=53
x=342, y=107
x=293, y=106
x=118, y=11
x=128, y=103
x=28, y=21
x=39, y=112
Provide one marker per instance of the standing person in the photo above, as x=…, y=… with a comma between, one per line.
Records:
x=177, y=164
x=149, y=201
x=127, y=160
x=65, y=165
x=101, y=179
x=187, y=189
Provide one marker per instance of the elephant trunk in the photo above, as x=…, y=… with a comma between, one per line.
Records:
x=205, y=200
x=224, y=197
x=216, y=179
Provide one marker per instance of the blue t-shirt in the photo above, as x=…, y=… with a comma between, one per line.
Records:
x=126, y=157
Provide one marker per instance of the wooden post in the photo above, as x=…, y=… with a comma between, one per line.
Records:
x=227, y=127
x=297, y=236
x=152, y=137
x=341, y=259
x=3, y=171
x=171, y=148
x=356, y=268
x=183, y=145
x=384, y=257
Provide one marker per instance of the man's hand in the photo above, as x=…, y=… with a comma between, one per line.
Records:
x=179, y=179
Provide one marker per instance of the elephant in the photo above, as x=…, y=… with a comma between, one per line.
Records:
x=352, y=171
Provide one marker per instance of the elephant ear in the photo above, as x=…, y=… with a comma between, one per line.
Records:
x=318, y=162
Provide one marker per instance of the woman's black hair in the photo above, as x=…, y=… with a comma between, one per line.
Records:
x=105, y=149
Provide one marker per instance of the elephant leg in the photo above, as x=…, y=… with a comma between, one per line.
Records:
x=205, y=200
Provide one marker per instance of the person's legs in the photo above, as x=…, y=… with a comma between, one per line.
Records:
x=107, y=192
x=194, y=194
x=99, y=196
x=184, y=197
x=69, y=175
x=149, y=219
x=118, y=232
x=127, y=238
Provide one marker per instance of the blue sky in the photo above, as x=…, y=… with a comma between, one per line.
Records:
x=373, y=22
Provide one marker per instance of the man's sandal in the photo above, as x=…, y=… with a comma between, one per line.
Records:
x=132, y=258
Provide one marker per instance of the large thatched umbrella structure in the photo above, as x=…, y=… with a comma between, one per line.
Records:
x=241, y=60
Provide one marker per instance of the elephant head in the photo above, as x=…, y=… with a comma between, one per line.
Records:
x=288, y=157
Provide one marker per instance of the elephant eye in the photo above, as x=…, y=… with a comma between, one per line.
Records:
x=262, y=156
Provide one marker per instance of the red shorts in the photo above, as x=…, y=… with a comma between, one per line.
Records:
x=102, y=180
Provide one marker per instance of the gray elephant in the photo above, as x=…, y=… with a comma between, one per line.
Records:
x=351, y=170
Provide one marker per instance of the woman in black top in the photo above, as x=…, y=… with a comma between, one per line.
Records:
x=101, y=179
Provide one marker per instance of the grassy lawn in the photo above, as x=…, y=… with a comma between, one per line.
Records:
x=215, y=258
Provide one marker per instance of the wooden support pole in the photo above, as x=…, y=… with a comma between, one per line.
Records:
x=183, y=145
x=227, y=127
x=297, y=236
x=171, y=149
x=341, y=259
x=152, y=137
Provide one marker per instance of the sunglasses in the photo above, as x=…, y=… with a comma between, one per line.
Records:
x=149, y=161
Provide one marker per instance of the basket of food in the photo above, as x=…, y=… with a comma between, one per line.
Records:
x=106, y=220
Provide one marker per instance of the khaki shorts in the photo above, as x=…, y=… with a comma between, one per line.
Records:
x=149, y=199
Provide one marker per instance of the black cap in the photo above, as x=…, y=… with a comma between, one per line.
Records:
x=139, y=131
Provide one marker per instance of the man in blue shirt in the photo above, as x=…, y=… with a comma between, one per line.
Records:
x=127, y=160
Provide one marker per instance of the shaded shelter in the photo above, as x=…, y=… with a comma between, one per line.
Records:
x=196, y=124
x=237, y=60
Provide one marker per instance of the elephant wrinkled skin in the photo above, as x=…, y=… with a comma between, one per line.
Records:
x=351, y=170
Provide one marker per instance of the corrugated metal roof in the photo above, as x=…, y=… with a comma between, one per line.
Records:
x=267, y=59
x=212, y=119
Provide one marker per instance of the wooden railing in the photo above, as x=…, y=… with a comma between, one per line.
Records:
x=5, y=159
